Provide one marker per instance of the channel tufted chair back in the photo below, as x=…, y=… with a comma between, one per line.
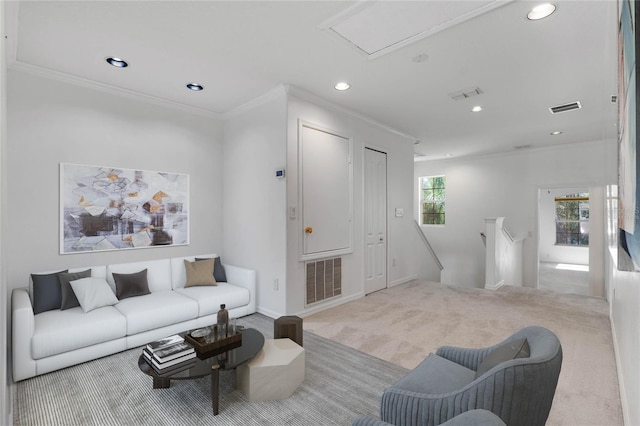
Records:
x=520, y=391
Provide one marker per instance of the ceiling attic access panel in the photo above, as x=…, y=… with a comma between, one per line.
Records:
x=326, y=192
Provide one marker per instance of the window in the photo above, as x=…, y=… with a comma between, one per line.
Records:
x=572, y=220
x=432, y=199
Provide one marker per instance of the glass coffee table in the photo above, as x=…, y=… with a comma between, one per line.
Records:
x=252, y=343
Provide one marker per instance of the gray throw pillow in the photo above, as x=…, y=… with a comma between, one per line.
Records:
x=46, y=292
x=508, y=351
x=218, y=269
x=130, y=285
x=69, y=299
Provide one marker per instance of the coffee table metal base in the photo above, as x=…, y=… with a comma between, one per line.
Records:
x=215, y=388
x=252, y=343
x=161, y=383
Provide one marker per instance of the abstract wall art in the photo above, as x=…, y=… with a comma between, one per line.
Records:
x=107, y=208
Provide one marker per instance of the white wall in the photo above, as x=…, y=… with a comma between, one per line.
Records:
x=49, y=122
x=402, y=238
x=254, y=208
x=624, y=299
x=549, y=251
x=5, y=308
x=506, y=185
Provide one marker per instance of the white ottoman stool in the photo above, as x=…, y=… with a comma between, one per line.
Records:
x=275, y=373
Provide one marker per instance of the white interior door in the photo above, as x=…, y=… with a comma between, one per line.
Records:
x=375, y=187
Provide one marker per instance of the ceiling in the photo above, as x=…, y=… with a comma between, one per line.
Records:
x=241, y=50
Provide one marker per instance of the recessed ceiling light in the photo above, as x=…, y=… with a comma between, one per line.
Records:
x=541, y=11
x=342, y=86
x=116, y=62
x=195, y=87
x=557, y=132
x=448, y=155
x=476, y=108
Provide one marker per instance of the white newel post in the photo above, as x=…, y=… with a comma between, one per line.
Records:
x=504, y=256
x=492, y=267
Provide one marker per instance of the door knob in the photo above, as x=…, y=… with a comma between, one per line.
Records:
x=381, y=239
x=308, y=230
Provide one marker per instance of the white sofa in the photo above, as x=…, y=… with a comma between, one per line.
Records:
x=56, y=339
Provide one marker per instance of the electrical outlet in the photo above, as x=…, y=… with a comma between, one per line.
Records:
x=393, y=262
x=275, y=284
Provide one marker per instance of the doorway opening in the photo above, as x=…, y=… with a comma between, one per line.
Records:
x=570, y=236
x=563, y=245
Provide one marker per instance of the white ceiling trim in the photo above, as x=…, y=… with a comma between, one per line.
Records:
x=317, y=100
x=276, y=92
x=512, y=151
x=91, y=84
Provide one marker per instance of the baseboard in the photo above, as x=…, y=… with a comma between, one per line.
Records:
x=329, y=304
x=495, y=286
x=269, y=313
x=333, y=302
x=402, y=280
x=623, y=393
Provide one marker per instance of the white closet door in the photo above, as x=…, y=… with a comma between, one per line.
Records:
x=375, y=218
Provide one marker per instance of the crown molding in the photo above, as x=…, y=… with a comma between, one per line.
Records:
x=509, y=152
x=310, y=97
x=131, y=94
x=275, y=93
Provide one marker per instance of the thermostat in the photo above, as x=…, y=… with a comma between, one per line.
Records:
x=280, y=173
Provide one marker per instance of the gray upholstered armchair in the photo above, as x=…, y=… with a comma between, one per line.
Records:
x=468, y=418
x=515, y=379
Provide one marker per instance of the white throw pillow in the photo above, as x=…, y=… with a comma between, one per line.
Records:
x=93, y=293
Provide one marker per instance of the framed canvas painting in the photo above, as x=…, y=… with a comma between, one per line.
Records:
x=108, y=208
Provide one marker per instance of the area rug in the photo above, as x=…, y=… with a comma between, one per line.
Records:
x=340, y=383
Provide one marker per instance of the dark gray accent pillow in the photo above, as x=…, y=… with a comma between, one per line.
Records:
x=69, y=299
x=436, y=375
x=46, y=292
x=130, y=285
x=508, y=351
x=218, y=269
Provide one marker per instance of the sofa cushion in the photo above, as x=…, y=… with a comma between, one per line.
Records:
x=46, y=292
x=93, y=293
x=210, y=298
x=69, y=299
x=510, y=350
x=156, y=310
x=129, y=285
x=436, y=375
x=199, y=273
x=218, y=270
x=58, y=331
x=158, y=273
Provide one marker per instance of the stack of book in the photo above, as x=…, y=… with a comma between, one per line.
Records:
x=171, y=353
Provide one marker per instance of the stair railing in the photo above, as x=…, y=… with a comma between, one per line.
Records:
x=428, y=245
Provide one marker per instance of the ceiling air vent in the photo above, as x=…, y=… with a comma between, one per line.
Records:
x=564, y=108
x=466, y=93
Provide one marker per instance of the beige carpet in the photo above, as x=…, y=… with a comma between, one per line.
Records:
x=404, y=324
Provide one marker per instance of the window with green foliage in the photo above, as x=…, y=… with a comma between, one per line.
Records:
x=572, y=220
x=432, y=200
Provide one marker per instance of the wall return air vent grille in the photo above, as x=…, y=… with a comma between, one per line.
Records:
x=564, y=108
